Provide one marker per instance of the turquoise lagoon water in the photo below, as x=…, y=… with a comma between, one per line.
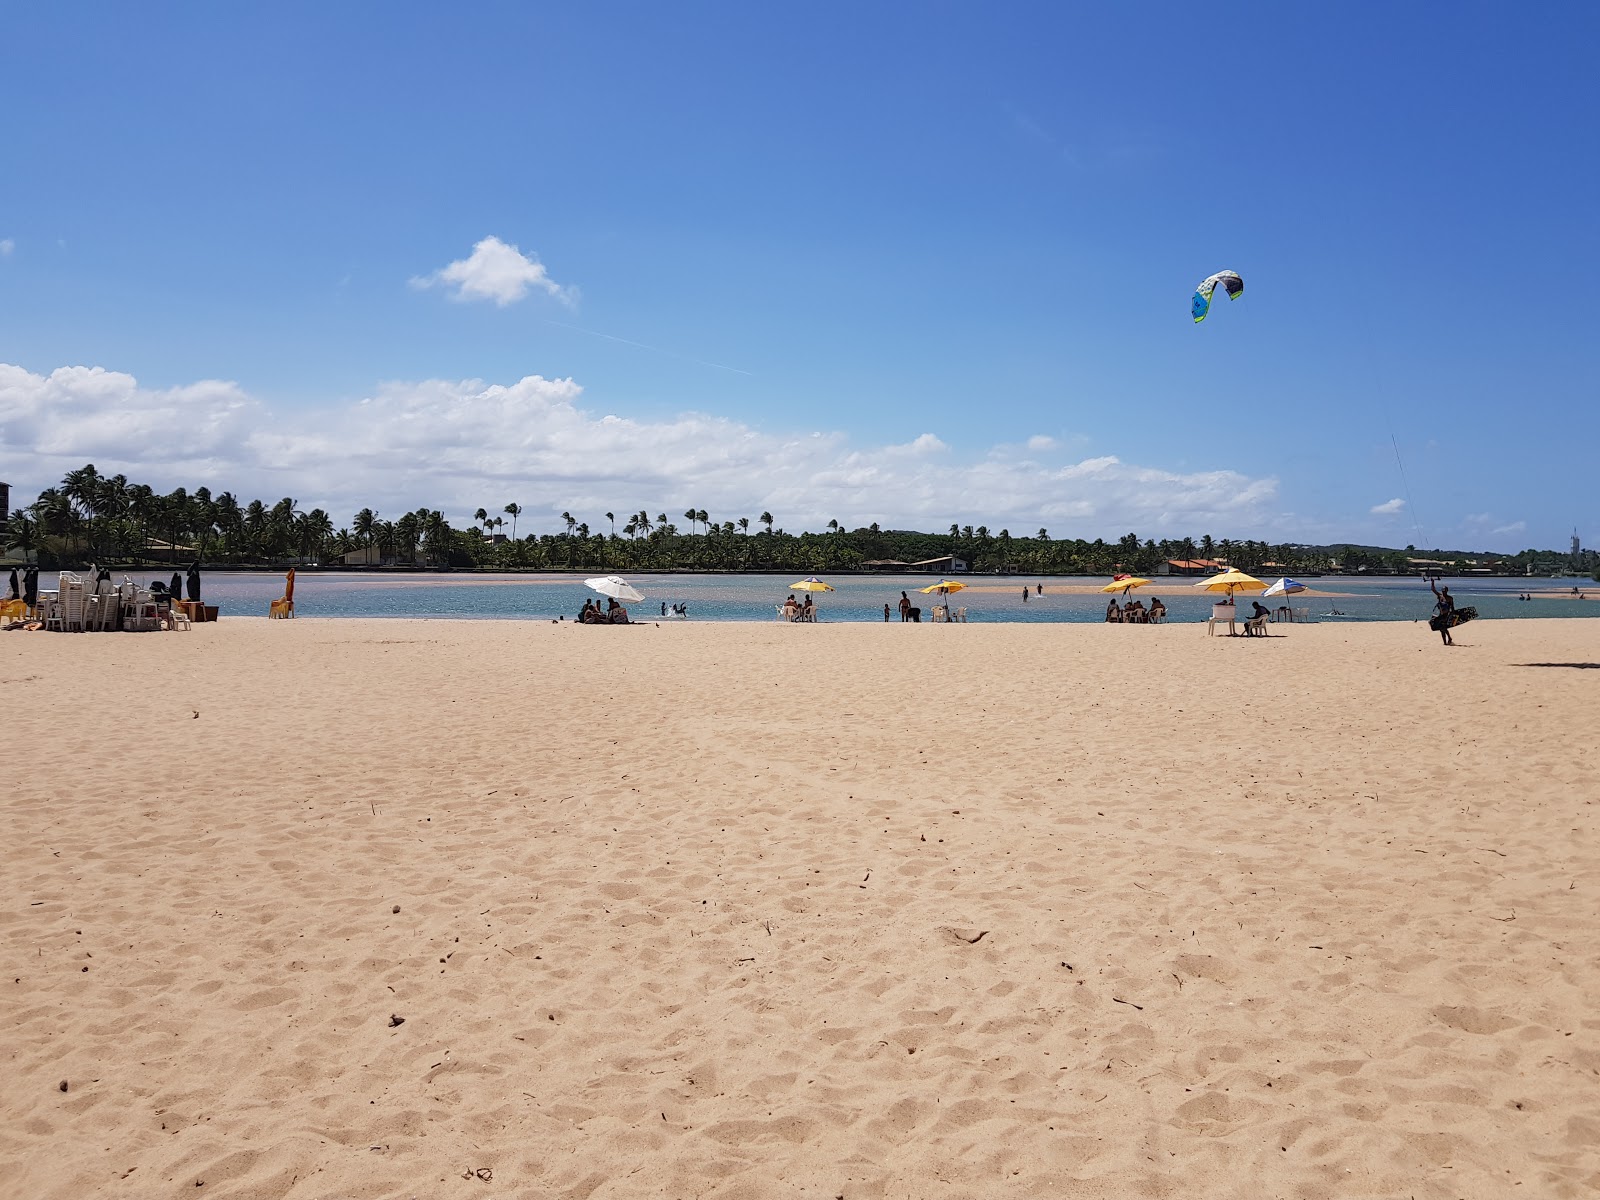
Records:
x=858, y=598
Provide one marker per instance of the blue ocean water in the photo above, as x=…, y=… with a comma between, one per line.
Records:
x=858, y=598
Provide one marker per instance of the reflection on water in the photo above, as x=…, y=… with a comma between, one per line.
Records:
x=858, y=598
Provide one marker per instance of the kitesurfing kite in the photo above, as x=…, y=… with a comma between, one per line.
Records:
x=1202, y=294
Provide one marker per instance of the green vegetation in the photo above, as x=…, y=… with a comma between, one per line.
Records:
x=97, y=518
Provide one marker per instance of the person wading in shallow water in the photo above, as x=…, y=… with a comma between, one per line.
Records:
x=1444, y=611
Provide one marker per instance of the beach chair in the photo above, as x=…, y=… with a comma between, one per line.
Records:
x=1221, y=614
x=180, y=616
x=782, y=616
x=1256, y=627
x=961, y=614
x=73, y=604
x=280, y=609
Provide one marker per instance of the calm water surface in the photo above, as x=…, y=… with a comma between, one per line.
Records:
x=858, y=598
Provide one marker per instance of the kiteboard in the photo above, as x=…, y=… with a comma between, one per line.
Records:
x=1456, y=617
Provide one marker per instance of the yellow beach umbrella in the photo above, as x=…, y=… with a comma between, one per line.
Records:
x=811, y=584
x=1230, y=581
x=944, y=585
x=1123, y=582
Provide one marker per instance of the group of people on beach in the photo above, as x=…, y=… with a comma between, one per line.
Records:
x=1134, y=612
x=612, y=614
x=799, y=611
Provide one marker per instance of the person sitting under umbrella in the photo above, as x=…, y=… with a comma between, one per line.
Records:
x=1259, y=610
x=615, y=613
x=1113, y=612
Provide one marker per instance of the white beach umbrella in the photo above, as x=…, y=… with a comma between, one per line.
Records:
x=616, y=587
x=1284, y=587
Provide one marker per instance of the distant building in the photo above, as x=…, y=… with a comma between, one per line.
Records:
x=1190, y=566
x=1577, y=547
x=886, y=564
x=949, y=563
x=157, y=550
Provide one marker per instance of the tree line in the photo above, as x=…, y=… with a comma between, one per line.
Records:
x=93, y=517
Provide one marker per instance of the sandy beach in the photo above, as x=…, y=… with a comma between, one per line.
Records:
x=358, y=910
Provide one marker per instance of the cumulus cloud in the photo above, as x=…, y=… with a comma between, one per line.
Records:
x=1388, y=507
x=457, y=445
x=7, y=245
x=1039, y=443
x=497, y=271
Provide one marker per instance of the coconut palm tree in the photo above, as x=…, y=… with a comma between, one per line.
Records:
x=21, y=531
x=481, y=517
x=570, y=520
x=365, y=525
x=766, y=519
x=703, y=518
x=612, y=517
x=513, y=510
x=691, y=516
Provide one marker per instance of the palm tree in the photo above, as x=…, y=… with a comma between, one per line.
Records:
x=612, y=517
x=570, y=520
x=365, y=525
x=20, y=531
x=481, y=517
x=703, y=517
x=766, y=519
x=833, y=526
x=691, y=516
x=513, y=510
x=744, y=526
x=1042, y=535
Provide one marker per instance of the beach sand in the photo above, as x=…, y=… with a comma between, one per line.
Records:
x=763, y=911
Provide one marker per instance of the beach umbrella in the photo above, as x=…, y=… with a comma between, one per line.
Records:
x=944, y=587
x=811, y=584
x=616, y=587
x=1284, y=587
x=1230, y=581
x=1123, y=582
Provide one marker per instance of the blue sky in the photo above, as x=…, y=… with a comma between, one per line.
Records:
x=907, y=263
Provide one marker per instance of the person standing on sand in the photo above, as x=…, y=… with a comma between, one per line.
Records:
x=1444, y=609
x=905, y=607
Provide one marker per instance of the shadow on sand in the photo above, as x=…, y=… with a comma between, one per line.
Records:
x=1574, y=666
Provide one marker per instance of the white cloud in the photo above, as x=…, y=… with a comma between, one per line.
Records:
x=1388, y=507
x=7, y=245
x=1040, y=442
x=496, y=271
x=456, y=445
x=1513, y=527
